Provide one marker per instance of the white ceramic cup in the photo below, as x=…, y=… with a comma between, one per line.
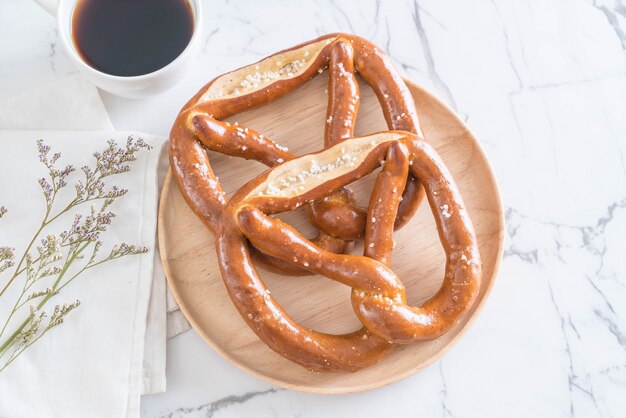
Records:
x=140, y=86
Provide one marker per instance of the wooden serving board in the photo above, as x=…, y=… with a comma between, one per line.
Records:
x=297, y=121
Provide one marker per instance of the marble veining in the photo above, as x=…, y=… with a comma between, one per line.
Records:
x=209, y=410
x=542, y=83
x=436, y=80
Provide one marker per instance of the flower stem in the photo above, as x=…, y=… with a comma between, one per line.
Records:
x=19, y=265
x=17, y=353
x=69, y=261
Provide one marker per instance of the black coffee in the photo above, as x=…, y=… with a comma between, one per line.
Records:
x=131, y=37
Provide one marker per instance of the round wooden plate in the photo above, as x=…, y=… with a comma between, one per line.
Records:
x=297, y=121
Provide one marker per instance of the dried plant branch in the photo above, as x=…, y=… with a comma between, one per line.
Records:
x=58, y=260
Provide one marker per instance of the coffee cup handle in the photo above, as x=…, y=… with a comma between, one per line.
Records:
x=50, y=6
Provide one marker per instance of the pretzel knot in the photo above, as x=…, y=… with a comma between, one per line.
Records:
x=246, y=234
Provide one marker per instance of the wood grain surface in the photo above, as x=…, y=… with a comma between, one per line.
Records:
x=297, y=121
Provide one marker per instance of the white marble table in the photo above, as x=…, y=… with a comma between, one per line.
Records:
x=543, y=85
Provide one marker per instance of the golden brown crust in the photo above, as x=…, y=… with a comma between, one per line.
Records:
x=247, y=236
x=378, y=294
x=201, y=120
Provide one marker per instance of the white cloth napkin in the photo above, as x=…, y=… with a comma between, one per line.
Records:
x=73, y=103
x=91, y=364
x=68, y=104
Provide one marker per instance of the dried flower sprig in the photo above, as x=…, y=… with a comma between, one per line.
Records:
x=34, y=331
x=6, y=258
x=56, y=260
x=7, y=254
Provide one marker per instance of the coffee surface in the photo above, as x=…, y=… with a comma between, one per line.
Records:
x=131, y=37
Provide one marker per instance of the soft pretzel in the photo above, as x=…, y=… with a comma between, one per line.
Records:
x=378, y=295
x=245, y=233
x=199, y=125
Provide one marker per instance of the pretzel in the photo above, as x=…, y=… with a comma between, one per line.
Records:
x=246, y=235
x=199, y=125
x=378, y=295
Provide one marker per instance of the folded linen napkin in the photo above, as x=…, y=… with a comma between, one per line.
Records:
x=90, y=364
x=71, y=103
x=74, y=103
